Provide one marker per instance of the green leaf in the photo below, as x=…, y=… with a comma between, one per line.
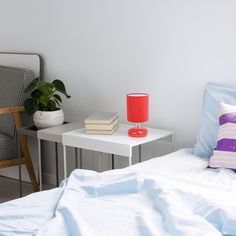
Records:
x=36, y=94
x=59, y=85
x=52, y=106
x=32, y=85
x=44, y=100
x=30, y=106
x=45, y=87
x=57, y=97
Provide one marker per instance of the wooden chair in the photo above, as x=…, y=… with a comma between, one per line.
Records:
x=25, y=155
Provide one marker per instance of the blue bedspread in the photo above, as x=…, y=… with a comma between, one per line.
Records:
x=153, y=198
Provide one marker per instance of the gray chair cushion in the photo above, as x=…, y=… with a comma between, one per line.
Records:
x=6, y=147
x=12, y=83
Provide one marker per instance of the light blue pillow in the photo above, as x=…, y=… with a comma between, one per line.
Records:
x=214, y=94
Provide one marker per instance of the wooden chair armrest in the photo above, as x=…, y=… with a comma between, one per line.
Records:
x=6, y=110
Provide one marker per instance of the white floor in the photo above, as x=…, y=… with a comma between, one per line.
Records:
x=9, y=189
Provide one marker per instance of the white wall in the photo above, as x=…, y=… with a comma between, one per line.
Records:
x=104, y=49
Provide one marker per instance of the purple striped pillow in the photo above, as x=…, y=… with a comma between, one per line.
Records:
x=224, y=154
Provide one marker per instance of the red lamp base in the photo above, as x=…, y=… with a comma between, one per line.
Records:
x=137, y=132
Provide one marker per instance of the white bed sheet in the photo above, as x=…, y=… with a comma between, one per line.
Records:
x=183, y=183
x=182, y=164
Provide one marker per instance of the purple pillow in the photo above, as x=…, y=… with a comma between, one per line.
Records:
x=224, y=154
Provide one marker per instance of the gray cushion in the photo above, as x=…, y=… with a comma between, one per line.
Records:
x=6, y=147
x=12, y=83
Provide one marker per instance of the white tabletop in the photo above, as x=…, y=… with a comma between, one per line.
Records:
x=54, y=134
x=118, y=143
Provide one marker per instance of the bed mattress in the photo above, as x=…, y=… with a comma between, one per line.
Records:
x=171, y=195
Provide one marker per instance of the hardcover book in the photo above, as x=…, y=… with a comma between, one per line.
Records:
x=102, y=126
x=102, y=131
x=101, y=118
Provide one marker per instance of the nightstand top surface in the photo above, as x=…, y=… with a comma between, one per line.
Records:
x=110, y=143
x=54, y=134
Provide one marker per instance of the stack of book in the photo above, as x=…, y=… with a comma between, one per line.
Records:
x=102, y=123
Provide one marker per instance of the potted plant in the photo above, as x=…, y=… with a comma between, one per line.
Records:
x=44, y=102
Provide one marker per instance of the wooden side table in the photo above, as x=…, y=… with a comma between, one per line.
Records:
x=119, y=143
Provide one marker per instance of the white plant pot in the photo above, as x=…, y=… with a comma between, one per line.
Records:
x=46, y=119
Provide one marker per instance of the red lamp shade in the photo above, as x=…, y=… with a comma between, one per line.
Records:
x=137, y=111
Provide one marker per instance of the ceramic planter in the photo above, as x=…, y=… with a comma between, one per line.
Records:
x=46, y=119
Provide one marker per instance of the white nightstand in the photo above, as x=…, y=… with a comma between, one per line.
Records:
x=119, y=143
x=54, y=134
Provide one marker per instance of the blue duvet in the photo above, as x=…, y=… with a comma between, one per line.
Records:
x=174, y=195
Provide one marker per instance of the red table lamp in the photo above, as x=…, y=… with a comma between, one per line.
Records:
x=137, y=112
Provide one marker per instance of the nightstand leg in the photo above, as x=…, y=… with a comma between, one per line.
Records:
x=76, y=158
x=80, y=159
x=130, y=161
x=56, y=157
x=99, y=162
x=112, y=161
x=40, y=166
x=64, y=160
x=139, y=153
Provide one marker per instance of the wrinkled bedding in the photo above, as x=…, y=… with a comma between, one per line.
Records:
x=171, y=195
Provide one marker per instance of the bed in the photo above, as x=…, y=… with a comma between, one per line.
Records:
x=173, y=195
x=176, y=194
